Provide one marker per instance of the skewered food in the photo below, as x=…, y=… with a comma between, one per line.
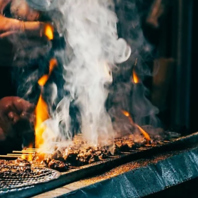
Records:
x=58, y=165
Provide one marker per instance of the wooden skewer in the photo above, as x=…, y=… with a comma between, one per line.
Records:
x=31, y=149
x=24, y=152
x=15, y=154
x=7, y=156
x=12, y=154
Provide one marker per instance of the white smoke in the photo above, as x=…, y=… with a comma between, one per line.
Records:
x=93, y=49
x=126, y=95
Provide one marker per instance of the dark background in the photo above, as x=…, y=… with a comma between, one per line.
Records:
x=194, y=64
x=174, y=87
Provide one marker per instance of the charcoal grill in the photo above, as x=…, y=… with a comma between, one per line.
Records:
x=174, y=147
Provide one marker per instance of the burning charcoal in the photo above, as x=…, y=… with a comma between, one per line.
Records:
x=58, y=165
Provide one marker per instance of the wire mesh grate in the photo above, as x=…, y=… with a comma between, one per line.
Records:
x=16, y=176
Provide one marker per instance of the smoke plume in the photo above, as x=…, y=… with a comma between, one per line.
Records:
x=92, y=52
x=97, y=66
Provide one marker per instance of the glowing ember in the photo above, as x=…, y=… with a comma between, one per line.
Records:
x=136, y=79
x=144, y=133
x=48, y=31
x=41, y=110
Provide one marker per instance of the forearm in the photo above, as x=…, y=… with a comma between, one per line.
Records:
x=29, y=28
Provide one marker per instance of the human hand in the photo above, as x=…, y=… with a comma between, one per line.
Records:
x=21, y=41
x=13, y=110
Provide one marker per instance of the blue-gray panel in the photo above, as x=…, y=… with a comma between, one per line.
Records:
x=145, y=180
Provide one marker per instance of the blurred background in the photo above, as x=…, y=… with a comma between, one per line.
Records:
x=171, y=27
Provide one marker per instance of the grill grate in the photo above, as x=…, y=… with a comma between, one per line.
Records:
x=15, y=176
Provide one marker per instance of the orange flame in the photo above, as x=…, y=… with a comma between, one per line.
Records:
x=28, y=157
x=43, y=80
x=49, y=32
x=136, y=79
x=127, y=114
x=41, y=110
x=23, y=157
x=144, y=133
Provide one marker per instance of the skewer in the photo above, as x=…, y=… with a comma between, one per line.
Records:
x=24, y=152
x=7, y=156
x=30, y=149
x=12, y=154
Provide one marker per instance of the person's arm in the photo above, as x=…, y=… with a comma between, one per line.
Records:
x=21, y=41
